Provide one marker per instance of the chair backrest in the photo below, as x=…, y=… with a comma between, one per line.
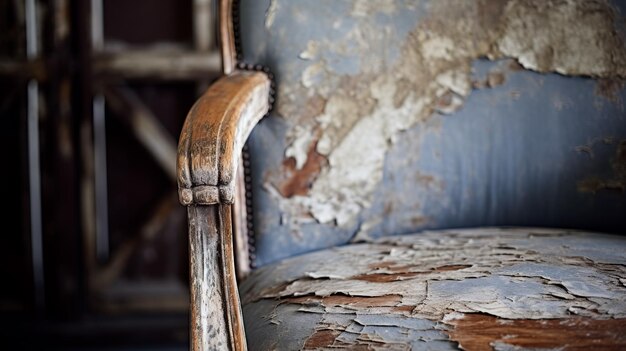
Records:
x=397, y=116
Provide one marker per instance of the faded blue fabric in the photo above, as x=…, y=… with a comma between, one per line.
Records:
x=432, y=278
x=517, y=154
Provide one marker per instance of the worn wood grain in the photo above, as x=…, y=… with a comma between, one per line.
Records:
x=207, y=171
x=240, y=226
x=216, y=322
x=213, y=136
x=233, y=304
x=227, y=36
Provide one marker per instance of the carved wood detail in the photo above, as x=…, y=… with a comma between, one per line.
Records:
x=208, y=161
x=213, y=135
x=209, y=154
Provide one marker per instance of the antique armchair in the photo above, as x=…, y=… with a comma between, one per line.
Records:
x=417, y=118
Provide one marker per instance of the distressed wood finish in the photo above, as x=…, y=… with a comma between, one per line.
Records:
x=209, y=155
x=227, y=36
x=216, y=321
x=240, y=226
x=213, y=136
x=208, y=158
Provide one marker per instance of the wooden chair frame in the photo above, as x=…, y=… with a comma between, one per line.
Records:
x=208, y=170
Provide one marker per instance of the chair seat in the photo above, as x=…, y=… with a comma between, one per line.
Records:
x=478, y=289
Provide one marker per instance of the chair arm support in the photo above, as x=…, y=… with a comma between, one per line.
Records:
x=208, y=156
x=213, y=135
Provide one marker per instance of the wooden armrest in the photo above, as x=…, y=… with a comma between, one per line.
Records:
x=209, y=152
x=213, y=135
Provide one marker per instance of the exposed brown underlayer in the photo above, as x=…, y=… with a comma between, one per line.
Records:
x=300, y=180
x=432, y=74
x=526, y=288
x=353, y=301
x=617, y=181
x=482, y=332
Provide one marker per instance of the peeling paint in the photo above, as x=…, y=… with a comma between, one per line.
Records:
x=494, y=78
x=482, y=289
x=364, y=8
x=609, y=89
x=615, y=183
x=270, y=14
x=485, y=333
x=301, y=177
x=360, y=115
x=571, y=38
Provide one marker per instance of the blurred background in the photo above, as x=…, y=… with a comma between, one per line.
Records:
x=93, y=94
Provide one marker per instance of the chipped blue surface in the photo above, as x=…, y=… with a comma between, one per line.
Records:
x=509, y=157
x=490, y=272
x=512, y=155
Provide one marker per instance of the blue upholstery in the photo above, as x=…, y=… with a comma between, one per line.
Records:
x=480, y=289
x=521, y=148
